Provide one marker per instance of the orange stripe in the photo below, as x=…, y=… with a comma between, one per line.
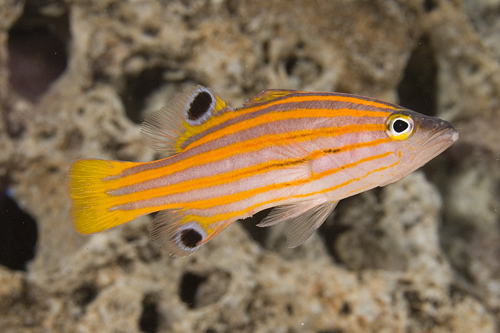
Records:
x=297, y=99
x=206, y=221
x=237, y=148
x=209, y=203
x=235, y=175
x=280, y=115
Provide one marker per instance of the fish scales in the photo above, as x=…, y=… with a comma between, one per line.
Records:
x=301, y=151
x=213, y=171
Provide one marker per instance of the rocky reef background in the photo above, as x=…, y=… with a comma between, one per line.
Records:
x=77, y=78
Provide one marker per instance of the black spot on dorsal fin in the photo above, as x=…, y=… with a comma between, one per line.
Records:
x=167, y=129
x=200, y=106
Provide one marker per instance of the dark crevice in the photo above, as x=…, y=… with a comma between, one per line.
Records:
x=150, y=317
x=330, y=233
x=189, y=287
x=125, y=263
x=19, y=234
x=430, y=5
x=138, y=88
x=265, y=51
x=232, y=7
x=85, y=294
x=346, y=309
x=201, y=289
x=151, y=31
x=37, y=49
x=418, y=88
x=306, y=69
x=414, y=302
x=258, y=234
x=100, y=76
x=290, y=64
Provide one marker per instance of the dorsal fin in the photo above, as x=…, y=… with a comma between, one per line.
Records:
x=268, y=95
x=165, y=130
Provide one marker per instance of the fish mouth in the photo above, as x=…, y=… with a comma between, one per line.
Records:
x=442, y=136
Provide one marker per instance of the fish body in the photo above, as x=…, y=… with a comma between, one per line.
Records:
x=300, y=152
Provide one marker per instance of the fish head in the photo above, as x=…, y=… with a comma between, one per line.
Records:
x=417, y=139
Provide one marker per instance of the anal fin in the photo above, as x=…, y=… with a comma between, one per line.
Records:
x=180, y=234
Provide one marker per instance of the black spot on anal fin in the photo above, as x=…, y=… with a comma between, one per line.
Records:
x=190, y=238
x=201, y=105
x=178, y=238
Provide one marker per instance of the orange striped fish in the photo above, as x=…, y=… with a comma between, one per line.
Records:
x=298, y=151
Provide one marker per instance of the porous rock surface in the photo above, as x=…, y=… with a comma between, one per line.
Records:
x=420, y=255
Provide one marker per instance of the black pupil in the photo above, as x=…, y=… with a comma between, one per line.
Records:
x=200, y=105
x=190, y=237
x=400, y=126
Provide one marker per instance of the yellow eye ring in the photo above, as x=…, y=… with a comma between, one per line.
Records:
x=400, y=126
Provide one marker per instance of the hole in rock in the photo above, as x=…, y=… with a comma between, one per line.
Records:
x=330, y=233
x=346, y=309
x=19, y=234
x=150, y=316
x=125, y=263
x=305, y=69
x=189, y=287
x=418, y=89
x=85, y=294
x=37, y=47
x=151, y=31
x=138, y=88
x=265, y=51
x=290, y=64
x=232, y=7
x=414, y=302
x=200, y=289
x=430, y=5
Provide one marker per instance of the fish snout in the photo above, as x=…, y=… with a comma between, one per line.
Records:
x=439, y=127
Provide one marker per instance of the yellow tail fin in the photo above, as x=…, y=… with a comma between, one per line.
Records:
x=88, y=187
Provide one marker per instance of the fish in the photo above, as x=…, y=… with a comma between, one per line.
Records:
x=297, y=151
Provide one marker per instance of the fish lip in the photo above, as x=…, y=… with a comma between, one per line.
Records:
x=444, y=130
x=439, y=129
x=442, y=136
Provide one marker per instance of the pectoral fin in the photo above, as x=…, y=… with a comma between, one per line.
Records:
x=302, y=219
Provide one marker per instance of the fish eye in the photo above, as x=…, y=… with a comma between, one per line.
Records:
x=400, y=127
